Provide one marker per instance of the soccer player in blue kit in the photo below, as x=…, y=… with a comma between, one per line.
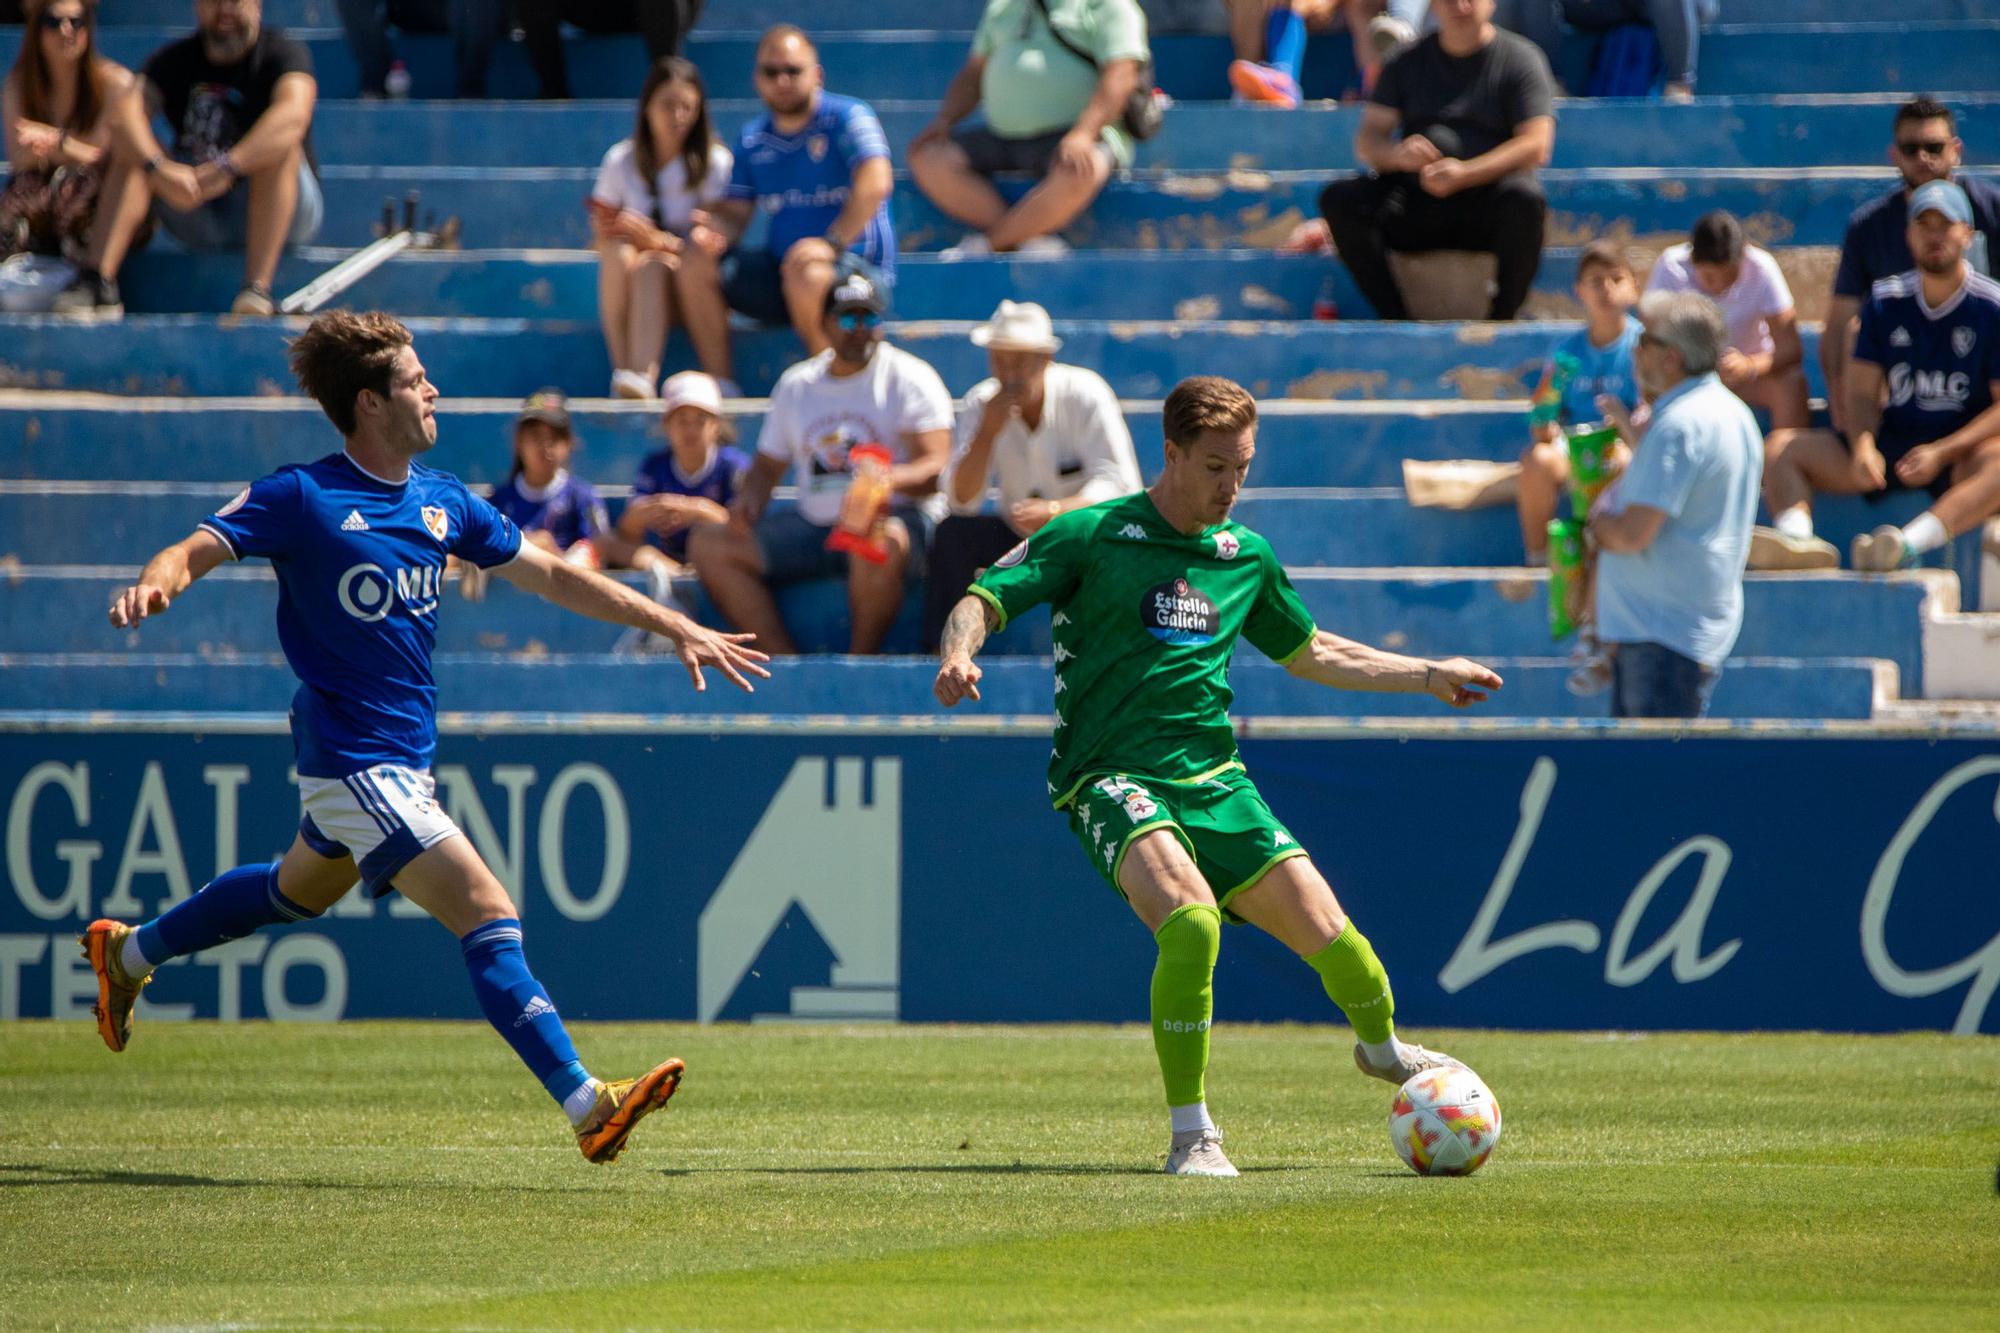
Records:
x=359, y=540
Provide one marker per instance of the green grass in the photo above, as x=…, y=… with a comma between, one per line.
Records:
x=412, y=1175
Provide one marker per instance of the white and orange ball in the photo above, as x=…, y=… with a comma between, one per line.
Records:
x=1444, y=1122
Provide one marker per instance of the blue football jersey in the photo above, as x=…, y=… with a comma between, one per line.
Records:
x=568, y=509
x=802, y=180
x=1939, y=364
x=360, y=566
x=1599, y=370
x=659, y=476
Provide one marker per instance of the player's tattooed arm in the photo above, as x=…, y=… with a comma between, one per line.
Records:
x=964, y=635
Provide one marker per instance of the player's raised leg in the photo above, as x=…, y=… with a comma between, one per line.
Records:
x=1160, y=881
x=1294, y=903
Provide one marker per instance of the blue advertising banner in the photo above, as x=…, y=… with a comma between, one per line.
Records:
x=1511, y=878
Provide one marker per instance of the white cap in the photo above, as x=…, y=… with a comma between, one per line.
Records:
x=1018, y=326
x=691, y=388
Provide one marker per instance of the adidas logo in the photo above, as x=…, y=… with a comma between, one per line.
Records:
x=1900, y=338
x=1133, y=531
x=536, y=1007
x=354, y=522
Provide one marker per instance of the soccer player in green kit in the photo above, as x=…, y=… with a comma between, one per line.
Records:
x=1149, y=594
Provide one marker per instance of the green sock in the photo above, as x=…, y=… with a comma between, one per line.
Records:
x=1354, y=980
x=1184, y=998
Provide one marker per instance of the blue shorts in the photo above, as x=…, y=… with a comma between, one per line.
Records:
x=224, y=224
x=794, y=549
x=753, y=285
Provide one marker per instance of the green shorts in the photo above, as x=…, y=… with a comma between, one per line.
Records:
x=1222, y=821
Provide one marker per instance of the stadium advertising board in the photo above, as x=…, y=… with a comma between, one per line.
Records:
x=1560, y=880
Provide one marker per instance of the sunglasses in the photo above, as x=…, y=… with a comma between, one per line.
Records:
x=782, y=71
x=63, y=23
x=850, y=320
x=1934, y=147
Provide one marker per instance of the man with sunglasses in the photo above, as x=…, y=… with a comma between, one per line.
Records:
x=858, y=391
x=817, y=164
x=1925, y=147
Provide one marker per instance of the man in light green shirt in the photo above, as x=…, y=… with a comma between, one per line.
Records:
x=1051, y=112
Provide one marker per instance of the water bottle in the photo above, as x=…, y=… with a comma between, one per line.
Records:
x=397, y=84
x=1324, y=306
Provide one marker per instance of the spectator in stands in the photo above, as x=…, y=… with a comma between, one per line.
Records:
x=474, y=26
x=1676, y=23
x=1053, y=77
x=1673, y=532
x=1764, y=364
x=554, y=509
x=659, y=253
x=1924, y=147
x=1474, y=107
x=54, y=115
x=1602, y=351
x=690, y=483
x=1921, y=386
x=240, y=97
x=1052, y=435
x=662, y=23
x=859, y=391
x=818, y=165
x=1269, y=38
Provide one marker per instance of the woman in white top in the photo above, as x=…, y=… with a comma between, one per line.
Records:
x=658, y=253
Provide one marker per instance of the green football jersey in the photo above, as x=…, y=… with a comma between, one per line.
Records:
x=1145, y=619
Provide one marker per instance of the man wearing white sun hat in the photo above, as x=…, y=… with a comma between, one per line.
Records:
x=1050, y=436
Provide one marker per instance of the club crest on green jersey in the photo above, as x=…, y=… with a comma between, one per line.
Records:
x=1177, y=612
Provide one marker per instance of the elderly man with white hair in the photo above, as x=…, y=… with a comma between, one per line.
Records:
x=1674, y=530
x=1051, y=436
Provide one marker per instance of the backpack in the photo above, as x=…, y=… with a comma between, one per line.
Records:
x=1145, y=109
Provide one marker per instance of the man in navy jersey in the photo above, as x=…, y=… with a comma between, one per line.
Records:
x=1920, y=392
x=358, y=541
x=818, y=165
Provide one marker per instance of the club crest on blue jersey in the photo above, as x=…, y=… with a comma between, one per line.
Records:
x=1177, y=612
x=436, y=520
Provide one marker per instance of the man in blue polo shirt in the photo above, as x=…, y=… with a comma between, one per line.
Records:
x=818, y=165
x=1921, y=389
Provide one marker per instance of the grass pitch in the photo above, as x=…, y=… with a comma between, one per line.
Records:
x=412, y=1175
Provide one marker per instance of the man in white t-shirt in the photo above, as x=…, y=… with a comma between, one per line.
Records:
x=859, y=391
x=1052, y=434
x=1765, y=362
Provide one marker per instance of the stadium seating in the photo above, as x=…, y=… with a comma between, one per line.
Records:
x=116, y=439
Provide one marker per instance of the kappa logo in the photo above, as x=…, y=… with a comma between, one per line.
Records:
x=1013, y=557
x=1226, y=545
x=1132, y=532
x=536, y=1008
x=436, y=520
x=1962, y=340
x=354, y=522
x=1058, y=620
x=1063, y=654
x=1900, y=338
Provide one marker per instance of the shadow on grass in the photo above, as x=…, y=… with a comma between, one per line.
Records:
x=14, y=1175
x=952, y=1169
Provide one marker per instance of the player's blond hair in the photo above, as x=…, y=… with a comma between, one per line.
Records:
x=342, y=353
x=1205, y=403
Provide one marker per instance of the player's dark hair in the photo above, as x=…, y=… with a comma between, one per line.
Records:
x=694, y=148
x=1924, y=107
x=342, y=353
x=1206, y=402
x=1716, y=238
x=1602, y=254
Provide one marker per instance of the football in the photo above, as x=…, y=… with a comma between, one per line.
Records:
x=1444, y=1122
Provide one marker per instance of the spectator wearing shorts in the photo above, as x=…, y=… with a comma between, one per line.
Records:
x=1053, y=77
x=817, y=165
x=1764, y=364
x=859, y=391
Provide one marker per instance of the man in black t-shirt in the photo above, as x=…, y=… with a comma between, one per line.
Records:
x=240, y=97
x=1474, y=107
x=1924, y=146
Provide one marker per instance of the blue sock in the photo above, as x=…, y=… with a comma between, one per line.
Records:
x=519, y=1009
x=230, y=906
x=1285, y=42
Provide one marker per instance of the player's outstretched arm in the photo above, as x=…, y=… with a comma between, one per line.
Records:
x=964, y=635
x=589, y=593
x=1346, y=665
x=168, y=575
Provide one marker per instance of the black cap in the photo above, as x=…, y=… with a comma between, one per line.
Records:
x=548, y=406
x=856, y=291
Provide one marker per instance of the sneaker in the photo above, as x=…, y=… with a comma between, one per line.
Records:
x=1042, y=247
x=630, y=384
x=1880, y=551
x=90, y=295
x=1414, y=1061
x=104, y=945
x=621, y=1106
x=974, y=246
x=1772, y=549
x=1199, y=1153
x=1388, y=34
x=1264, y=84
x=254, y=301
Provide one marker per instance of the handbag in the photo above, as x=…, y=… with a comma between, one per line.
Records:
x=1145, y=109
